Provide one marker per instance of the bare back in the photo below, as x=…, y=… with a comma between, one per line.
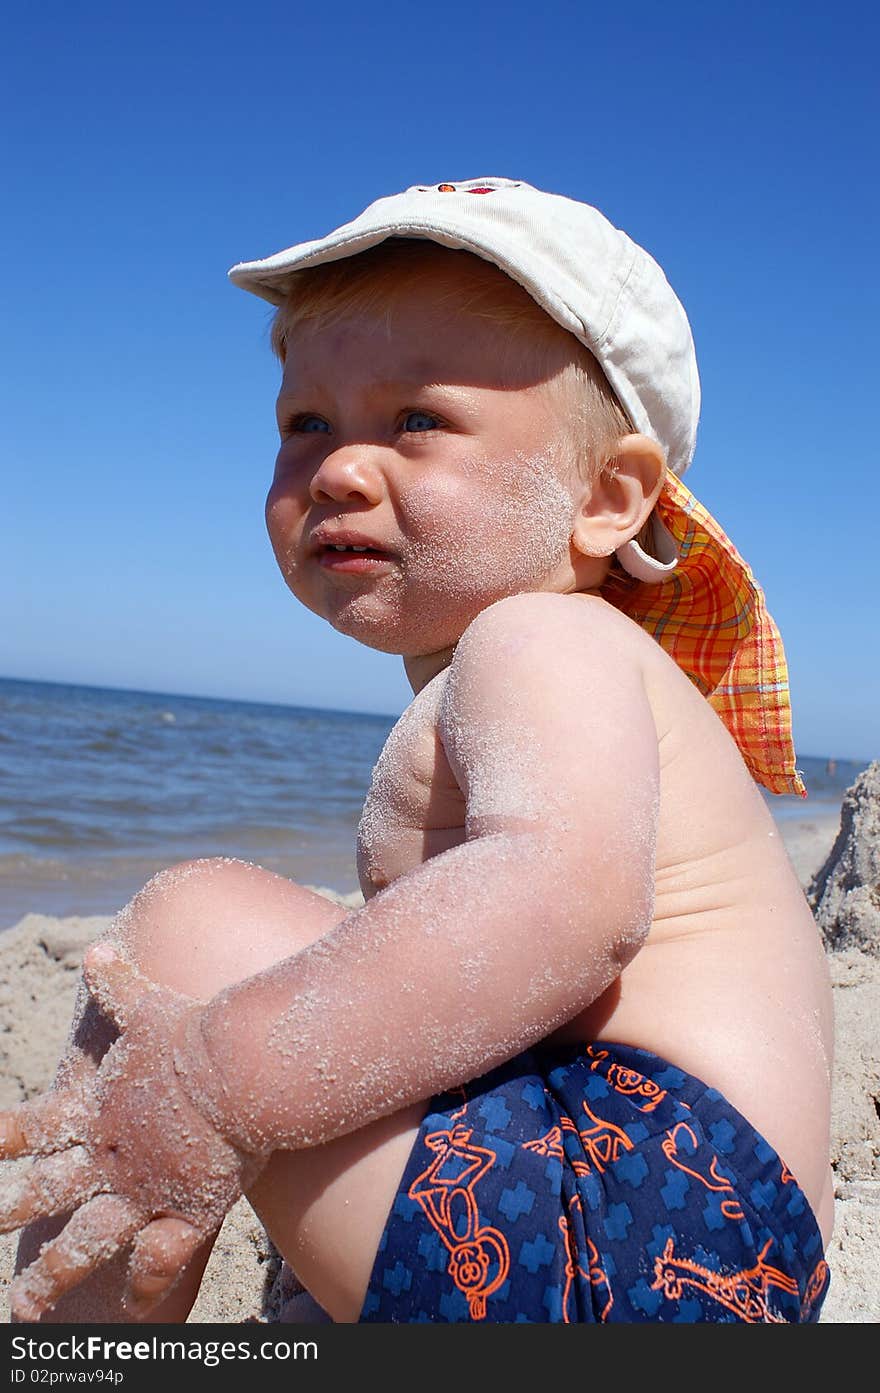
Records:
x=731, y=982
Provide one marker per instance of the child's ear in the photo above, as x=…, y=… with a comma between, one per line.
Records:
x=622, y=498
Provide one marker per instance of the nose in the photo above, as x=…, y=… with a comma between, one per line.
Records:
x=349, y=474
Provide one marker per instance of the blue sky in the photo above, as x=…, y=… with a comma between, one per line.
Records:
x=147, y=149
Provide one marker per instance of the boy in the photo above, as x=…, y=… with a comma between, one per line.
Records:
x=515, y=1084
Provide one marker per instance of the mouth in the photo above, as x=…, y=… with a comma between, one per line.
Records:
x=348, y=551
x=355, y=560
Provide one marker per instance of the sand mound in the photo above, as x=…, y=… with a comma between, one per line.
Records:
x=845, y=892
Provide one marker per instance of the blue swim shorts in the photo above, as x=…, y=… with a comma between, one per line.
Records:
x=594, y=1183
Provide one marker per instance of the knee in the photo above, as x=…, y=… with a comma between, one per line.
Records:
x=184, y=930
x=201, y=925
x=182, y=897
x=182, y=927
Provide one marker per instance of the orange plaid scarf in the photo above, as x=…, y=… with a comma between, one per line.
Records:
x=711, y=617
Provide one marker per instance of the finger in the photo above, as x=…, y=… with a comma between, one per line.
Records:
x=47, y=1124
x=51, y=1186
x=95, y=1232
x=76, y=1070
x=161, y=1253
x=115, y=984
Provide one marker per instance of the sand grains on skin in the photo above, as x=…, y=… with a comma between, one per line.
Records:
x=245, y=1279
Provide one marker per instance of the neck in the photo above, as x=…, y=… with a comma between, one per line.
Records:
x=422, y=668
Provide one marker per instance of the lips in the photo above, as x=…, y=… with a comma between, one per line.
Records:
x=344, y=549
x=325, y=538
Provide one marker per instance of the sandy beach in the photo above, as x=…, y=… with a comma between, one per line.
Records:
x=39, y=961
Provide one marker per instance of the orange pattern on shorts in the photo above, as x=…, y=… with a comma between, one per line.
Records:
x=628, y=1081
x=603, y=1143
x=450, y=1205
x=815, y=1284
x=743, y=1292
x=595, y=1274
x=716, y=1180
x=548, y=1145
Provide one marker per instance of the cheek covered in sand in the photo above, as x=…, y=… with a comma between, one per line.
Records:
x=496, y=527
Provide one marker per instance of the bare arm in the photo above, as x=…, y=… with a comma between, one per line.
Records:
x=455, y=967
x=486, y=948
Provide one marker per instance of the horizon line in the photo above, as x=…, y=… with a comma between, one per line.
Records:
x=196, y=696
x=298, y=706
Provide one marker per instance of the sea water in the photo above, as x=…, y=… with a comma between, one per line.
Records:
x=99, y=789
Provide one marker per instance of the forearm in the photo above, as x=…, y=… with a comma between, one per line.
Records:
x=454, y=968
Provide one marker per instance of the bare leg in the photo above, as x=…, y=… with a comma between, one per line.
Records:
x=197, y=928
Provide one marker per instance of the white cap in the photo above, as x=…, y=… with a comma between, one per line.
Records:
x=588, y=276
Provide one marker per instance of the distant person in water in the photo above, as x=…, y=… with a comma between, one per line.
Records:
x=570, y=1062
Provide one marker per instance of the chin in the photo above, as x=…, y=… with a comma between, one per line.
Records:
x=401, y=636
x=378, y=642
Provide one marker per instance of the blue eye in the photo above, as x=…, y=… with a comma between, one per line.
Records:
x=309, y=425
x=425, y=421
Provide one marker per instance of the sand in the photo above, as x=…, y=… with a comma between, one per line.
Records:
x=245, y=1281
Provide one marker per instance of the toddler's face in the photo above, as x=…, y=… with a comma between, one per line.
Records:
x=412, y=431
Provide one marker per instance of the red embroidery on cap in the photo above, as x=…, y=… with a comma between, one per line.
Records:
x=451, y=188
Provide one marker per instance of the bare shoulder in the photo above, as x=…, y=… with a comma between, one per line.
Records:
x=568, y=663
x=546, y=692
x=568, y=627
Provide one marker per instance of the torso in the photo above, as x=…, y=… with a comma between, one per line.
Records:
x=732, y=983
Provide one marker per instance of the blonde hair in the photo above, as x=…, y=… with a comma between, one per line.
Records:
x=376, y=279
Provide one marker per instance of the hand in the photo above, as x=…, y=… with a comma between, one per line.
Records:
x=125, y=1149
